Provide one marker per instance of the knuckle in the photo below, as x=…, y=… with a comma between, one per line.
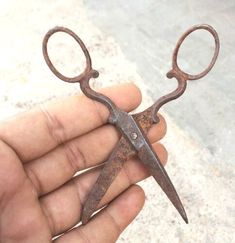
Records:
x=75, y=156
x=83, y=236
x=55, y=127
x=10, y=165
x=98, y=111
x=116, y=228
x=34, y=180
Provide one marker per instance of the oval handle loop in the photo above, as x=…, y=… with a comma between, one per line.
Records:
x=179, y=43
x=182, y=76
x=82, y=78
x=86, y=74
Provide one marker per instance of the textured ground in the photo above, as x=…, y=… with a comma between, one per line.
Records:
x=201, y=161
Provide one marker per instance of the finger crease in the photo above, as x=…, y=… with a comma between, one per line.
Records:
x=98, y=112
x=83, y=235
x=115, y=224
x=75, y=156
x=55, y=127
x=77, y=192
x=126, y=172
x=34, y=180
x=50, y=219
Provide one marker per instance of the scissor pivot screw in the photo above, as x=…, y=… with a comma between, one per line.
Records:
x=134, y=136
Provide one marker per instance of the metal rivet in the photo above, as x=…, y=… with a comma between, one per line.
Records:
x=134, y=135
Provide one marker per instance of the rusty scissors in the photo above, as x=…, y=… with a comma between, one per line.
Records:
x=133, y=128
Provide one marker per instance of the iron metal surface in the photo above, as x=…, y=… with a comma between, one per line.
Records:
x=133, y=128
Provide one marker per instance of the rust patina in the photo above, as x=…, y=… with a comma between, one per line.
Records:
x=133, y=128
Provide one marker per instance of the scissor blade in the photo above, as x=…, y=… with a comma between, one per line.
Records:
x=152, y=162
x=109, y=172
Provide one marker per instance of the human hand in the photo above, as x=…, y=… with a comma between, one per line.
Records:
x=40, y=152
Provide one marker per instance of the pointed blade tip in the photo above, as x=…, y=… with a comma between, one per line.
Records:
x=184, y=216
x=186, y=219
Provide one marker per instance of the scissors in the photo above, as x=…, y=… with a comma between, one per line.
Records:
x=133, y=128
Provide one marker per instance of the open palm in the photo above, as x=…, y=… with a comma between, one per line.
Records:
x=40, y=153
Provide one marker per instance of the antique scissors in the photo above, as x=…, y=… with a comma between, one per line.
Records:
x=133, y=128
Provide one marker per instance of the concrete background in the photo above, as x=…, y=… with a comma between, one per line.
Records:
x=134, y=41
x=147, y=32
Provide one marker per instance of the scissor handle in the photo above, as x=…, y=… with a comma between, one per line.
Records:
x=88, y=72
x=182, y=76
x=82, y=78
x=175, y=66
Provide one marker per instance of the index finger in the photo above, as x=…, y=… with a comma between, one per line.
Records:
x=34, y=133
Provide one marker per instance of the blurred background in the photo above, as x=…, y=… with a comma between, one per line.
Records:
x=133, y=41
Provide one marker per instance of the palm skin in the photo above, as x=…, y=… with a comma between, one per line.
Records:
x=40, y=153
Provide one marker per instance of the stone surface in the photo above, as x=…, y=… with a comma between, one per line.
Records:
x=147, y=33
x=201, y=154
